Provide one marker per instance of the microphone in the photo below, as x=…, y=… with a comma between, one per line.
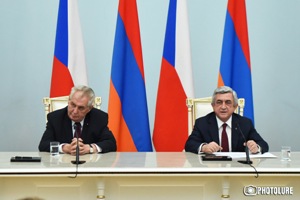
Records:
x=77, y=161
x=247, y=161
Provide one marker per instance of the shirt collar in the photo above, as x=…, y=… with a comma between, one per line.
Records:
x=80, y=123
x=220, y=122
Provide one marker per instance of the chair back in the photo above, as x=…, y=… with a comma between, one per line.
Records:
x=199, y=107
x=55, y=103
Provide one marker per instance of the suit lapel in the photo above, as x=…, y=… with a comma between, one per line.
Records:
x=213, y=128
x=67, y=124
x=85, y=126
x=234, y=133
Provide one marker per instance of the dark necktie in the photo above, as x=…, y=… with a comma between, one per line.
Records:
x=77, y=129
x=224, y=140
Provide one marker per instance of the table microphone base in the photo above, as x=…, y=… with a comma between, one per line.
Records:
x=245, y=161
x=77, y=162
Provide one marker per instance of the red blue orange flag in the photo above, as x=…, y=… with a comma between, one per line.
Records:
x=127, y=107
x=235, y=68
x=69, y=66
x=175, y=84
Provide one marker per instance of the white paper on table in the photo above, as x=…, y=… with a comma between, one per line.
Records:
x=234, y=155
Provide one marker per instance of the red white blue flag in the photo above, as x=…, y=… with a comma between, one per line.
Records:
x=235, y=68
x=69, y=67
x=175, y=84
x=127, y=107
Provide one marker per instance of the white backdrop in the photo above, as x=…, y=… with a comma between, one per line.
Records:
x=27, y=35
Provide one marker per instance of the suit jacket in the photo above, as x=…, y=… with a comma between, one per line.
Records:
x=94, y=130
x=206, y=130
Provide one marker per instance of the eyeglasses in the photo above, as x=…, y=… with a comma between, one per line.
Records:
x=79, y=108
x=220, y=102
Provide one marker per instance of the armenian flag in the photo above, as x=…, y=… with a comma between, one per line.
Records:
x=127, y=107
x=235, y=68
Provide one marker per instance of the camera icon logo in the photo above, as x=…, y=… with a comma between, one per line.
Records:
x=250, y=190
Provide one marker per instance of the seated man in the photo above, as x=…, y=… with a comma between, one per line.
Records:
x=207, y=137
x=95, y=135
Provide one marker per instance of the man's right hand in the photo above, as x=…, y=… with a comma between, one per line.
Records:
x=211, y=148
x=71, y=148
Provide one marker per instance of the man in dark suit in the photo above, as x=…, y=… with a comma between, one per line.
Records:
x=206, y=136
x=95, y=134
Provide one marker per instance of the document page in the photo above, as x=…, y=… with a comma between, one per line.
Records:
x=234, y=155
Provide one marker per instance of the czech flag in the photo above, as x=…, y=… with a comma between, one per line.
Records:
x=235, y=68
x=175, y=84
x=69, y=66
x=127, y=107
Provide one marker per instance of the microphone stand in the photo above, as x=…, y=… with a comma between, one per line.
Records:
x=77, y=161
x=247, y=161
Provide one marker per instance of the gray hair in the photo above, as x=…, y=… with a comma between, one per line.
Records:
x=224, y=90
x=86, y=91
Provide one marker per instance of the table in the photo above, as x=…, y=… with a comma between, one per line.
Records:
x=151, y=175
